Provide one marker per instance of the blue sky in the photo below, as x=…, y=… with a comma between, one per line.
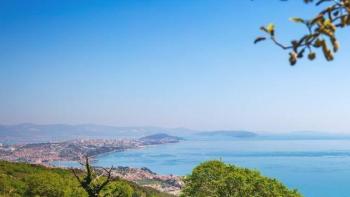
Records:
x=165, y=63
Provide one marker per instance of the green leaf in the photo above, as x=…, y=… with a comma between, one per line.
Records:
x=297, y=20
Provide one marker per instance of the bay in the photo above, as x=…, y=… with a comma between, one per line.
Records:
x=317, y=168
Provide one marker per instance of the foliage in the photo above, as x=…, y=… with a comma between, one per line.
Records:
x=20, y=179
x=44, y=184
x=210, y=179
x=320, y=31
x=93, y=183
x=217, y=179
x=118, y=189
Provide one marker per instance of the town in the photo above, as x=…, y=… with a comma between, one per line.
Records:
x=73, y=150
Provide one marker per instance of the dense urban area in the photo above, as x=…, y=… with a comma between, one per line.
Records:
x=73, y=150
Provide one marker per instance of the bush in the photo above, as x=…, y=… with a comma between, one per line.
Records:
x=118, y=189
x=45, y=184
x=217, y=179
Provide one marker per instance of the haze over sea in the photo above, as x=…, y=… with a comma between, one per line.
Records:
x=317, y=168
x=177, y=63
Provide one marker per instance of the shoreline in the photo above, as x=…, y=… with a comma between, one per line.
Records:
x=74, y=150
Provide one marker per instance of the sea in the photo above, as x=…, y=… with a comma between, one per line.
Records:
x=315, y=167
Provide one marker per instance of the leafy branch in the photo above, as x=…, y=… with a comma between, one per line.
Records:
x=320, y=31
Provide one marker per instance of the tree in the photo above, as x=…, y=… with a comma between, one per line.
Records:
x=217, y=179
x=44, y=184
x=93, y=183
x=118, y=189
x=320, y=31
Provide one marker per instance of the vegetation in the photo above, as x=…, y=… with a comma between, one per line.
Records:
x=19, y=179
x=210, y=179
x=92, y=182
x=216, y=179
x=118, y=189
x=320, y=31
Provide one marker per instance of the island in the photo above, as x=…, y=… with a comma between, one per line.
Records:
x=159, y=138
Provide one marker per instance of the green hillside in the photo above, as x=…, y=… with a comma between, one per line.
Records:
x=209, y=179
x=19, y=179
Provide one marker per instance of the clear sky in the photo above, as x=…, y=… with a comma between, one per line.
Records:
x=176, y=63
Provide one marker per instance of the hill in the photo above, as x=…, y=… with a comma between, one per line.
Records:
x=160, y=138
x=23, y=133
x=19, y=179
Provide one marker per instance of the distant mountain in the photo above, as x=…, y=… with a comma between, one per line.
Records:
x=312, y=135
x=236, y=134
x=32, y=133
x=36, y=133
x=160, y=138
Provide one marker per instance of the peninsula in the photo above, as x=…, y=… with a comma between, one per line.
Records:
x=73, y=150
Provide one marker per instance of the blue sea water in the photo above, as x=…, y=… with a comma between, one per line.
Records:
x=317, y=168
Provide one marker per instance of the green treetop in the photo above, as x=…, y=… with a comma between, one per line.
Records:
x=217, y=179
